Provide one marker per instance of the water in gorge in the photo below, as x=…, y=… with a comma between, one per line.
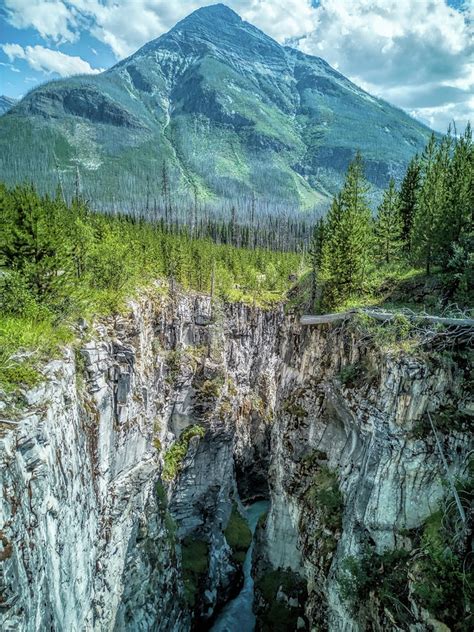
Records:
x=237, y=615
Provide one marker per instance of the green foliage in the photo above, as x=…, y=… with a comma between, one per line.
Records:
x=444, y=585
x=382, y=577
x=428, y=223
x=394, y=334
x=430, y=201
x=24, y=344
x=324, y=496
x=211, y=388
x=316, y=258
x=174, y=457
x=347, y=239
x=444, y=202
x=407, y=200
x=439, y=571
x=461, y=269
x=276, y=614
x=173, y=364
x=59, y=262
x=349, y=374
x=388, y=226
x=195, y=564
x=447, y=419
x=238, y=535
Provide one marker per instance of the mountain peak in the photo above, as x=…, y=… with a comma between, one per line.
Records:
x=216, y=10
x=226, y=106
x=220, y=30
x=217, y=16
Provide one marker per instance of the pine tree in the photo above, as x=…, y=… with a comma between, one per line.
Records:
x=431, y=202
x=348, y=240
x=35, y=246
x=316, y=255
x=458, y=216
x=389, y=225
x=408, y=192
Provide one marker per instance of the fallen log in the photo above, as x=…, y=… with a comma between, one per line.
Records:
x=310, y=319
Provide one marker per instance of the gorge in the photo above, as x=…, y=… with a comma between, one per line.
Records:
x=123, y=474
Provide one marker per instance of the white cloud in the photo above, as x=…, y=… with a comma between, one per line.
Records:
x=48, y=61
x=51, y=18
x=412, y=53
x=125, y=25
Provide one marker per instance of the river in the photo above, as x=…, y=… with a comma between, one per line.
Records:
x=237, y=615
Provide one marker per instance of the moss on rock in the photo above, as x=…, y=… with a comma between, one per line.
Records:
x=280, y=599
x=195, y=564
x=238, y=535
x=174, y=457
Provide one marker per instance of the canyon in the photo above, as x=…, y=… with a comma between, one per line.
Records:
x=125, y=473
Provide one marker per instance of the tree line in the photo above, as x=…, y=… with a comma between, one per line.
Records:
x=63, y=260
x=426, y=222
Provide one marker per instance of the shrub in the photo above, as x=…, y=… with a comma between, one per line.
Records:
x=349, y=374
x=175, y=456
x=325, y=498
x=444, y=585
x=324, y=495
x=447, y=418
x=211, y=389
x=381, y=577
x=282, y=593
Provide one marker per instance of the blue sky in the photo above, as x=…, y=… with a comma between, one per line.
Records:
x=416, y=54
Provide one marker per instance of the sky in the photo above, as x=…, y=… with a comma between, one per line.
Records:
x=416, y=54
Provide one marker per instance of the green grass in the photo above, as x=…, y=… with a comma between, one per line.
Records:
x=174, y=457
x=96, y=264
x=25, y=344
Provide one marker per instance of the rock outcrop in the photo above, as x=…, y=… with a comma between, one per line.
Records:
x=120, y=473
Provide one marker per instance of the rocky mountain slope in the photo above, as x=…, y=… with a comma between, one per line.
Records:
x=230, y=112
x=123, y=474
x=6, y=103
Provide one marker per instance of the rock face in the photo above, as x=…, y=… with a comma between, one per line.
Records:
x=120, y=473
x=6, y=103
x=229, y=110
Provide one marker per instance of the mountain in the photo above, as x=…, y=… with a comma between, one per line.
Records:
x=6, y=103
x=221, y=109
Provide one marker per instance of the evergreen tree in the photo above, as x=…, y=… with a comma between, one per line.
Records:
x=457, y=219
x=407, y=199
x=34, y=245
x=389, y=225
x=431, y=201
x=316, y=255
x=348, y=240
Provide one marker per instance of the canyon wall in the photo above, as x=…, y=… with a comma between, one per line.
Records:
x=123, y=472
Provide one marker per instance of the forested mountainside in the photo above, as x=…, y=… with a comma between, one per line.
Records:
x=62, y=262
x=213, y=110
